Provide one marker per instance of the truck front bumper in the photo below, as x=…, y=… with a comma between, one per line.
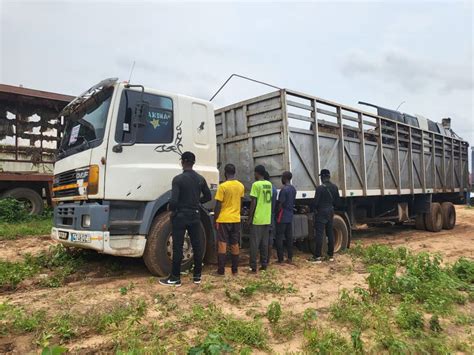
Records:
x=121, y=245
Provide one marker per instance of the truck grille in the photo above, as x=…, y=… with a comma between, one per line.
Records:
x=66, y=184
x=65, y=211
x=65, y=178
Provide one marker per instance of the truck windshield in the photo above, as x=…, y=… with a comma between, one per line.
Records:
x=85, y=126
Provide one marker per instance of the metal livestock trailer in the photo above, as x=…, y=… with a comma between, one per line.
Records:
x=29, y=132
x=393, y=168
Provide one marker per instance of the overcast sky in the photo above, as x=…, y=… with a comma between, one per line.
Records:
x=380, y=52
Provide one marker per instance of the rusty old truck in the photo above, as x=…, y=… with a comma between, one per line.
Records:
x=29, y=134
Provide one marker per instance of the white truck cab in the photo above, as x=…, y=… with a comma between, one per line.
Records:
x=119, y=153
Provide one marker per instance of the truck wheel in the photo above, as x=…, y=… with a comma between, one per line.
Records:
x=31, y=200
x=159, y=247
x=341, y=234
x=341, y=237
x=420, y=221
x=449, y=215
x=434, y=219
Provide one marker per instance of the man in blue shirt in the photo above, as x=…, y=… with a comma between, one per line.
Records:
x=284, y=218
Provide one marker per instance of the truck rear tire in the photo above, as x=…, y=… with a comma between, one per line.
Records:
x=32, y=200
x=341, y=237
x=158, y=250
x=449, y=215
x=420, y=222
x=434, y=219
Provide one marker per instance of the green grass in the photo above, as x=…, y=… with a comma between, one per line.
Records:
x=67, y=326
x=213, y=344
x=16, y=319
x=409, y=318
x=407, y=300
x=15, y=230
x=274, y=312
x=265, y=283
x=318, y=341
x=114, y=316
x=56, y=260
x=15, y=221
x=232, y=330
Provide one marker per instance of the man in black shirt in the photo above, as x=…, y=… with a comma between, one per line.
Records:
x=184, y=203
x=325, y=199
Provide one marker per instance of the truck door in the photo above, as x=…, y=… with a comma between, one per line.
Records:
x=134, y=170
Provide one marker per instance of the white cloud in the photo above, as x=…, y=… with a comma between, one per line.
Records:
x=414, y=73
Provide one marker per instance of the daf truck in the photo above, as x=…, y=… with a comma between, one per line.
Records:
x=122, y=144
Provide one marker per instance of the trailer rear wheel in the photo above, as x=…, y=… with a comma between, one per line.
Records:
x=159, y=247
x=31, y=200
x=420, y=221
x=449, y=215
x=434, y=219
x=341, y=237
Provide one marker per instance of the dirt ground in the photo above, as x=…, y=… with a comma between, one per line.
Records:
x=318, y=285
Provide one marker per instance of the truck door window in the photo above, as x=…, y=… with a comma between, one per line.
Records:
x=159, y=125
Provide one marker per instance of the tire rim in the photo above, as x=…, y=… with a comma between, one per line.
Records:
x=26, y=204
x=187, y=248
x=337, y=239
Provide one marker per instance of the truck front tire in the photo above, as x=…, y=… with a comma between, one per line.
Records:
x=158, y=255
x=449, y=215
x=434, y=219
x=33, y=201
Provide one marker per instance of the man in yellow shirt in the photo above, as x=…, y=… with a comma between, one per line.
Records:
x=227, y=214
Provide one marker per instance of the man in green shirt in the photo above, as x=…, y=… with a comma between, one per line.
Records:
x=260, y=217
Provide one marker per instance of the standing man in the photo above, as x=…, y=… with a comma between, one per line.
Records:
x=186, y=192
x=284, y=229
x=227, y=214
x=272, y=229
x=326, y=198
x=260, y=217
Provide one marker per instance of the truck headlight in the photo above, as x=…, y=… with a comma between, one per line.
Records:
x=93, y=183
x=86, y=220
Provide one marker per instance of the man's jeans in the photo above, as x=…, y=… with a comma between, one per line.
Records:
x=259, y=241
x=182, y=222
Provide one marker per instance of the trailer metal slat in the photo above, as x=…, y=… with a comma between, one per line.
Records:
x=299, y=105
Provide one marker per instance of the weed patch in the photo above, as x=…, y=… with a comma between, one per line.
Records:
x=409, y=318
x=57, y=260
x=231, y=329
x=213, y=344
x=352, y=308
x=266, y=284
x=274, y=312
x=36, y=226
x=318, y=341
x=16, y=222
x=402, y=287
x=113, y=317
x=15, y=319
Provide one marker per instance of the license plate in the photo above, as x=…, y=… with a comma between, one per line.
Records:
x=63, y=235
x=80, y=238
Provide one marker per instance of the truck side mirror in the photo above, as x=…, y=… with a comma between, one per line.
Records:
x=139, y=119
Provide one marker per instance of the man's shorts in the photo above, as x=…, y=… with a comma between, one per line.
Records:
x=228, y=233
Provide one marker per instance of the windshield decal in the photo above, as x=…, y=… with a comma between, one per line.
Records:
x=74, y=134
x=158, y=117
x=176, y=147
